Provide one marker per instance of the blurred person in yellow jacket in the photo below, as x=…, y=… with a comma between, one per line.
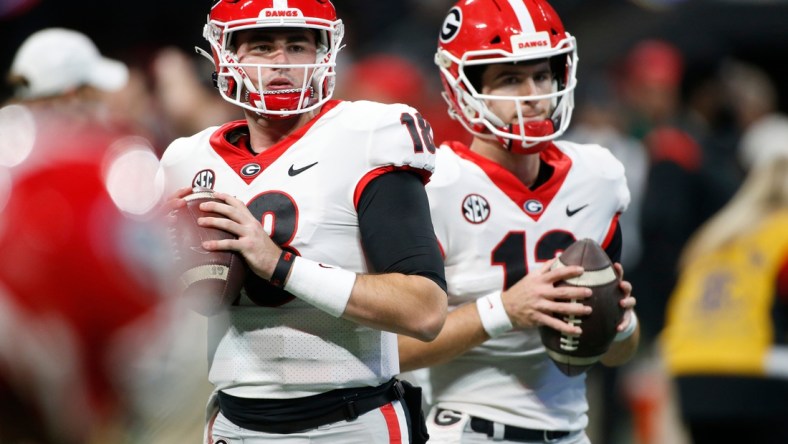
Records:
x=726, y=337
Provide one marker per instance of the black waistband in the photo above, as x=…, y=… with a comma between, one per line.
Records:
x=299, y=414
x=512, y=433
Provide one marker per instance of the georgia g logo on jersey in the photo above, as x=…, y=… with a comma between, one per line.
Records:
x=533, y=206
x=475, y=208
x=250, y=169
x=447, y=418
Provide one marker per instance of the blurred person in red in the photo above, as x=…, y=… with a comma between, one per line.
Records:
x=726, y=337
x=386, y=78
x=390, y=78
x=13, y=8
x=76, y=192
x=653, y=71
x=682, y=189
x=81, y=285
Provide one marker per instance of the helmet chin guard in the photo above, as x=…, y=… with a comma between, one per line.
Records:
x=476, y=33
x=533, y=130
x=231, y=77
x=284, y=100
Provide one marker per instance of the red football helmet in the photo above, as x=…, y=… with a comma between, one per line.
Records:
x=481, y=32
x=235, y=86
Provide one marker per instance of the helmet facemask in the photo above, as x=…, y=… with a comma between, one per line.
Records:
x=237, y=87
x=462, y=82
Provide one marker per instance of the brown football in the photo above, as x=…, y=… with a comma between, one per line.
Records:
x=575, y=354
x=211, y=280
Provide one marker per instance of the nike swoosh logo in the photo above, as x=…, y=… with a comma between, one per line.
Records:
x=296, y=171
x=571, y=213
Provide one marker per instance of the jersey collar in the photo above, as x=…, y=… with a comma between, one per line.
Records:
x=510, y=185
x=237, y=154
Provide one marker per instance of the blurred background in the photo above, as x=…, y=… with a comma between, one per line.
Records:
x=706, y=31
x=678, y=90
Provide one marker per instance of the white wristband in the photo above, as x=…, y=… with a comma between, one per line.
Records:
x=327, y=288
x=627, y=332
x=493, y=314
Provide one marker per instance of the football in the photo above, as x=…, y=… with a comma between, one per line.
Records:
x=211, y=280
x=575, y=354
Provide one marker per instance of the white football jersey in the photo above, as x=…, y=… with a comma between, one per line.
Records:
x=493, y=230
x=304, y=190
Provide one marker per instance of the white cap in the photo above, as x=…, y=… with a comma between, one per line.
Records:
x=56, y=60
x=764, y=141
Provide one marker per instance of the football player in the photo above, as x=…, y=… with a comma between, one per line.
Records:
x=82, y=284
x=502, y=209
x=328, y=203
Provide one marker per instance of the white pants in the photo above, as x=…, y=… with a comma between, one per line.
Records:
x=385, y=425
x=453, y=427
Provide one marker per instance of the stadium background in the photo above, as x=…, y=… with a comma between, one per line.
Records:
x=706, y=31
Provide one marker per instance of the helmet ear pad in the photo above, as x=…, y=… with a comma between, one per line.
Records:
x=238, y=77
x=319, y=77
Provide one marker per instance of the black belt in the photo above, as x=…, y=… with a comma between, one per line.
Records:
x=297, y=415
x=511, y=433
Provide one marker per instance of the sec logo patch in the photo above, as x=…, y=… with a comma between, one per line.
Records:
x=475, y=209
x=204, y=179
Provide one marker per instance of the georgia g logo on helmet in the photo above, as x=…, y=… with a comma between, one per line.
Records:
x=451, y=25
x=481, y=32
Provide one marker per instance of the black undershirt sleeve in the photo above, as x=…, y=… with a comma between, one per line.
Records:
x=613, y=249
x=396, y=229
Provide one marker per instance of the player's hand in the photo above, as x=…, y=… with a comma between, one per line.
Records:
x=254, y=243
x=174, y=201
x=166, y=211
x=532, y=301
x=628, y=302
